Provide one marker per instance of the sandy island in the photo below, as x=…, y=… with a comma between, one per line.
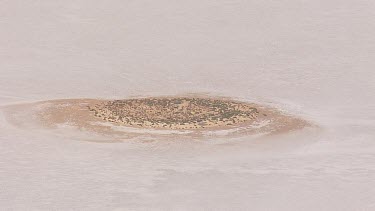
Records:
x=156, y=116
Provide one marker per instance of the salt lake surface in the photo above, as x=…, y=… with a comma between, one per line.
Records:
x=313, y=59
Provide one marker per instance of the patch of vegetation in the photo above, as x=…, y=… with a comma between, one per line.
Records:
x=175, y=112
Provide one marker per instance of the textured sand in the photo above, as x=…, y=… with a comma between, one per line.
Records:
x=175, y=112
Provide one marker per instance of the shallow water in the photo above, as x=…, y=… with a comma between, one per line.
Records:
x=312, y=59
